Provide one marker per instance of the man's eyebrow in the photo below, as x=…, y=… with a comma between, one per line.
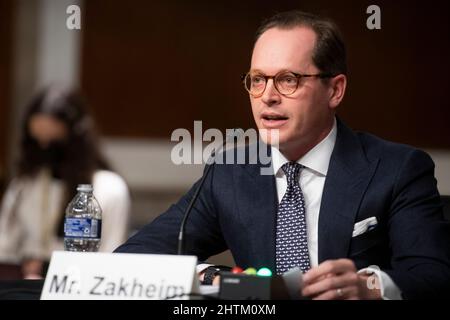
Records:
x=279, y=71
x=256, y=71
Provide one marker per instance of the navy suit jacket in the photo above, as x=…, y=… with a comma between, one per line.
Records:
x=367, y=177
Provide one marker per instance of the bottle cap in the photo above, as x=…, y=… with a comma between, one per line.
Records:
x=85, y=188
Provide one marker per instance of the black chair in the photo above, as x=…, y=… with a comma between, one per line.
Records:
x=446, y=203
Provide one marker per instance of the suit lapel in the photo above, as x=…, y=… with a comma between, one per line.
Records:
x=348, y=177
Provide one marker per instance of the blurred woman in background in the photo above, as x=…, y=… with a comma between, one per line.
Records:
x=58, y=151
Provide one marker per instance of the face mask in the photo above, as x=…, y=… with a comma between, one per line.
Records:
x=52, y=156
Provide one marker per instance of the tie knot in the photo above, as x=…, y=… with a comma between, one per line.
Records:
x=292, y=172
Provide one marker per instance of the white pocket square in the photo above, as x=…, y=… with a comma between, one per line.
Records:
x=364, y=226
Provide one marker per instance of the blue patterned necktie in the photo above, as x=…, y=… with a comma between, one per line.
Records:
x=291, y=236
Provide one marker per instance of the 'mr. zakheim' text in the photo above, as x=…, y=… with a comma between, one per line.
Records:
x=101, y=286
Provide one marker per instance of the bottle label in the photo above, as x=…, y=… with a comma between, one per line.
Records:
x=82, y=228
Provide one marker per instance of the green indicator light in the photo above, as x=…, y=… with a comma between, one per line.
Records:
x=264, y=272
x=250, y=271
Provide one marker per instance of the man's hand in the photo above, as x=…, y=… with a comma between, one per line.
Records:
x=338, y=280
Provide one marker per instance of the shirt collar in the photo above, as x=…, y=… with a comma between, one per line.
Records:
x=316, y=159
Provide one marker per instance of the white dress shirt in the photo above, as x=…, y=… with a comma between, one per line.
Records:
x=312, y=180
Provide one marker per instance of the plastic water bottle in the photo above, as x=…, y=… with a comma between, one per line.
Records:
x=83, y=222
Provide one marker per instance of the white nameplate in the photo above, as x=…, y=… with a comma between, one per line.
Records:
x=96, y=275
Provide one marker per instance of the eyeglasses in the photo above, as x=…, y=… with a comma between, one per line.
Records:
x=286, y=82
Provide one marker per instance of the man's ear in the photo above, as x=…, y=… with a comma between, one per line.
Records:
x=337, y=90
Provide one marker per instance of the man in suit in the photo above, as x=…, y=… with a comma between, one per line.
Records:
x=361, y=217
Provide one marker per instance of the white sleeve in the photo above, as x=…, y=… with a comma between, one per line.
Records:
x=388, y=289
x=202, y=267
x=113, y=196
x=11, y=231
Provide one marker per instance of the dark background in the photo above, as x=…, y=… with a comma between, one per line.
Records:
x=160, y=66
x=5, y=75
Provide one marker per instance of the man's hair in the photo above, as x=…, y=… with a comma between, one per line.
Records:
x=329, y=53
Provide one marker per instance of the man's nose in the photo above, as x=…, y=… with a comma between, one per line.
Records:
x=271, y=96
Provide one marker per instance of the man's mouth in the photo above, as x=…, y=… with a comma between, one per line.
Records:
x=271, y=120
x=274, y=117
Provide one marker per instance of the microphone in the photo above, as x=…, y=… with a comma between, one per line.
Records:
x=230, y=136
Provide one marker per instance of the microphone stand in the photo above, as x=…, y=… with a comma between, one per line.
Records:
x=181, y=242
